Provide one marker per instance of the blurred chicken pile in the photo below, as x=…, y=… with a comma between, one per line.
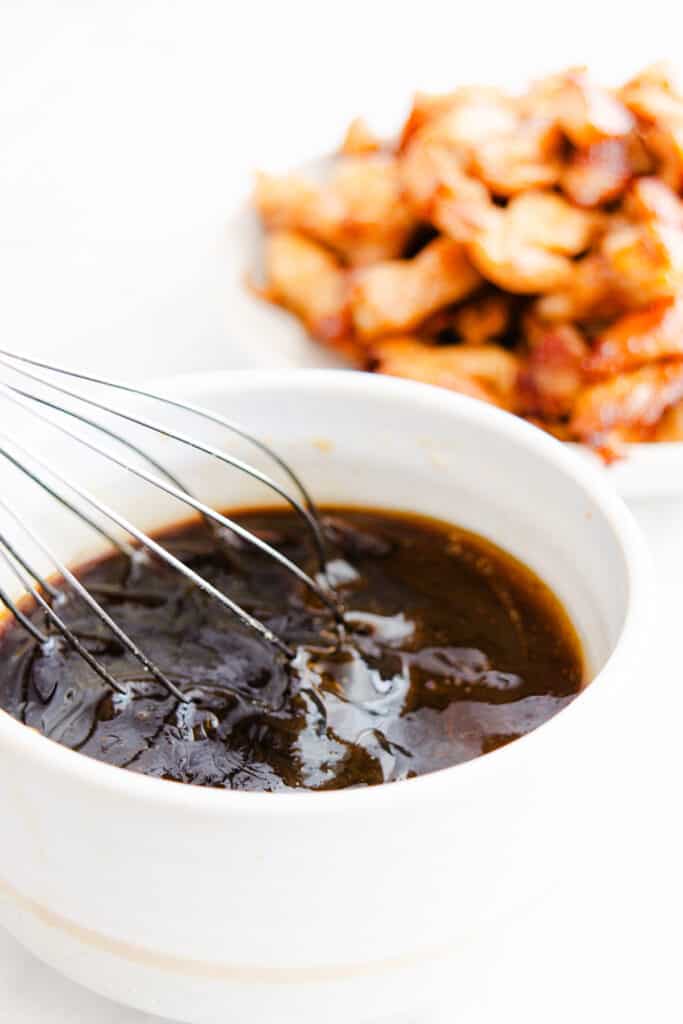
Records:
x=527, y=250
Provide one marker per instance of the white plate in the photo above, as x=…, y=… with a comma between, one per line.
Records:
x=264, y=336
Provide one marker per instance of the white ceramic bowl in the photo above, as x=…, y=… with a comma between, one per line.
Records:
x=205, y=905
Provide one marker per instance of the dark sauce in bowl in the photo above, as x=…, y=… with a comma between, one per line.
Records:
x=453, y=649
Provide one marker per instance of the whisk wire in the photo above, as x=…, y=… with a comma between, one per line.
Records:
x=44, y=584
x=151, y=545
x=22, y=619
x=8, y=553
x=121, y=545
x=312, y=519
x=78, y=588
x=113, y=434
x=39, y=471
x=181, y=495
x=94, y=423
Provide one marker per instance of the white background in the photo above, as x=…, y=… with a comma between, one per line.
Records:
x=128, y=132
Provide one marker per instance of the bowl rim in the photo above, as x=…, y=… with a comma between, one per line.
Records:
x=54, y=757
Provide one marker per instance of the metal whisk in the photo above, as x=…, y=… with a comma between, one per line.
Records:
x=19, y=388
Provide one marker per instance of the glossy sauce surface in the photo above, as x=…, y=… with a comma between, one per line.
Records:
x=452, y=649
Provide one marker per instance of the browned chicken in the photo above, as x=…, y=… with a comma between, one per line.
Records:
x=525, y=249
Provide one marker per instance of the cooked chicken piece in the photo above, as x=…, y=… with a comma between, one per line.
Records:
x=359, y=139
x=597, y=174
x=377, y=222
x=467, y=118
x=426, y=107
x=587, y=113
x=659, y=75
x=670, y=427
x=653, y=98
x=640, y=158
x=482, y=320
x=421, y=170
x=553, y=374
x=653, y=94
x=636, y=264
x=442, y=192
x=289, y=201
x=646, y=260
x=510, y=164
x=485, y=109
x=392, y=297
x=637, y=338
x=485, y=133
x=547, y=220
x=631, y=400
x=591, y=114
x=462, y=208
x=651, y=199
x=432, y=175
x=666, y=147
x=507, y=260
x=591, y=293
x=485, y=371
x=358, y=212
x=501, y=242
x=307, y=279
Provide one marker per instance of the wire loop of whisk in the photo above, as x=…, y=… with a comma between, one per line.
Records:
x=11, y=558
x=307, y=510
x=75, y=584
x=34, y=468
x=175, y=492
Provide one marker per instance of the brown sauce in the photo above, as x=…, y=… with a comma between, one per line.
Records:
x=454, y=648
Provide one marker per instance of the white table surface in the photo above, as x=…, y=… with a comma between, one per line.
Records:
x=127, y=134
